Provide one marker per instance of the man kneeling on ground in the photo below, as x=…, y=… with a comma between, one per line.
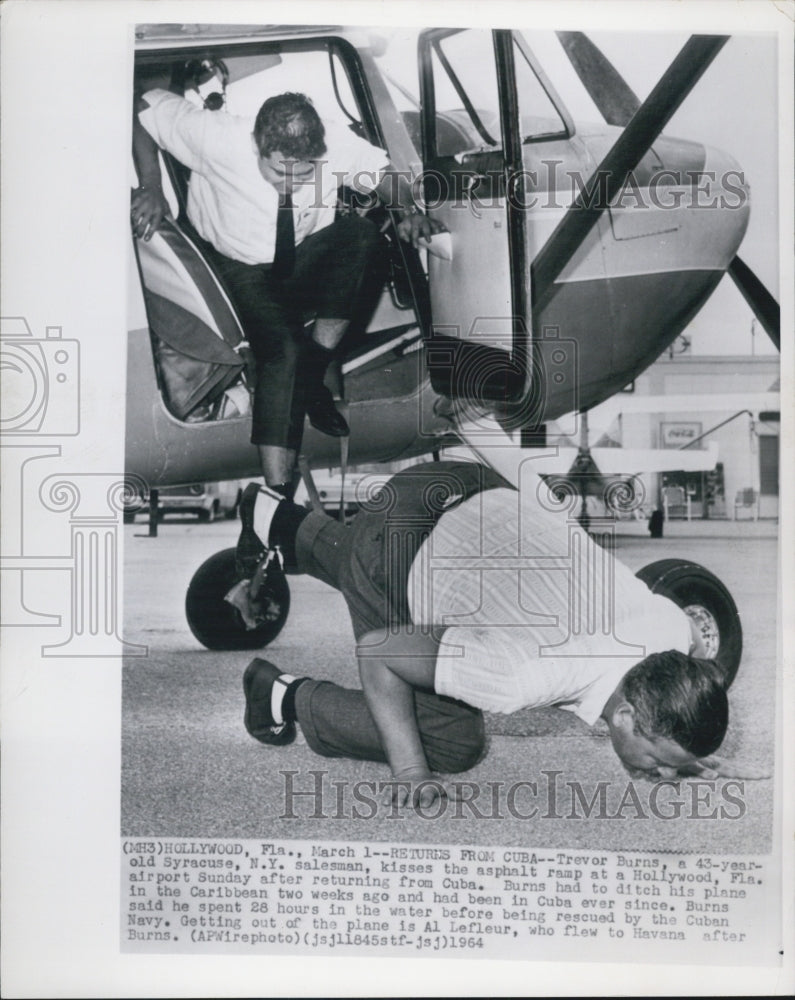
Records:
x=466, y=595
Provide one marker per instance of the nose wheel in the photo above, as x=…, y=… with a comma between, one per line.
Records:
x=705, y=600
x=223, y=614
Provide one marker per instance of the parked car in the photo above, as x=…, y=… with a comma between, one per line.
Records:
x=207, y=500
x=334, y=493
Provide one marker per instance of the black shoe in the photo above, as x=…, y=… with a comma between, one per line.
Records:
x=324, y=415
x=250, y=547
x=258, y=682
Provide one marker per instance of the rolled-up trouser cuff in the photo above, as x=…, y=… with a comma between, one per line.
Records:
x=337, y=723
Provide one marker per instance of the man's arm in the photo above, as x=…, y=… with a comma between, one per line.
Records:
x=149, y=205
x=711, y=768
x=395, y=191
x=391, y=666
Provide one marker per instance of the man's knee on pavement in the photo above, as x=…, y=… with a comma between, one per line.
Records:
x=452, y=733
x=475, y=732
x=457, y=742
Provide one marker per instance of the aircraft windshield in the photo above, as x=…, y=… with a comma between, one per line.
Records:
x=396, y=56
x=466, y=90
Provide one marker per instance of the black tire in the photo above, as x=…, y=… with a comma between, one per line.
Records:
x=704, y=597
x=219, y=625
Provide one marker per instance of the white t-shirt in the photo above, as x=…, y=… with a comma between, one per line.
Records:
x=537, y=613
x=229, y=202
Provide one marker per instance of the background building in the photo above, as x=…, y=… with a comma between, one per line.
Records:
x=735, y=404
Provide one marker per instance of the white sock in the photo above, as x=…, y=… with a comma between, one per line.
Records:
x=264, y=508
x=278, y=691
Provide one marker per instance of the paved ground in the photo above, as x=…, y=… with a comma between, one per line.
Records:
x=190, y=769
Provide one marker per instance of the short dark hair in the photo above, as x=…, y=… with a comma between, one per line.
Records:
x=289, y=124
x=680, y=698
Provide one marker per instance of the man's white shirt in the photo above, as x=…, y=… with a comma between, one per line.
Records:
x=536, y=612
x=229, y=202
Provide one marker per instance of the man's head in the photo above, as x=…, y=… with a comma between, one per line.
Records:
x=669, y=710
x=288, y=138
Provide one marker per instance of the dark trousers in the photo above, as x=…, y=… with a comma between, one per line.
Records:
x=332, y=267
x=360, y=562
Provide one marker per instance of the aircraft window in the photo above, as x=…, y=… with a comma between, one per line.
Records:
x=340, y=84
x=539, y=118
x=466, y=93
x=646, y=61
x=395, y=54
x=549, y=52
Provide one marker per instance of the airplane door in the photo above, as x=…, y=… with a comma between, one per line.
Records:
x=472, y=158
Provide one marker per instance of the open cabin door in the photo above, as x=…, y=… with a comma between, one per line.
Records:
x=472, y=151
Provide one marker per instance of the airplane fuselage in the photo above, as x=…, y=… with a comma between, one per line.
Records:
x=647, y=266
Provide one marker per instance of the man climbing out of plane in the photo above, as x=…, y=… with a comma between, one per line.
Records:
x=468, y=595
x=262, y=199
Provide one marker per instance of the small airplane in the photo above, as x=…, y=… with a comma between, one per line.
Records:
x=548, y=294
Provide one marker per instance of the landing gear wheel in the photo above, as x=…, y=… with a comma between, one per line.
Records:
x=219, y=625
x=707, y=602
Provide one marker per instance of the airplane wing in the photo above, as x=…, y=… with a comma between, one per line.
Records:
x=632, y=461
x=603, y=415
x=486, y=441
